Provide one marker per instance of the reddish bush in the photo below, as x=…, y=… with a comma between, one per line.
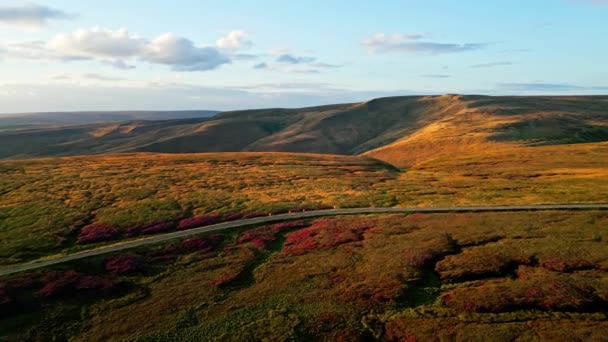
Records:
x=233, y=216
x=279, y=227
x=123, y=264
x=564, y=264
x=254, y=215
x=198, y=221
x=225, y=278
x=535, y=288
x=202, y=244
x=58, y=283
x=260, y=236
x=324, y=234
x=98, y=232
x=418, y=257
x=158, y=227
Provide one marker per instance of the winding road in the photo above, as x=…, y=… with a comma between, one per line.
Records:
x=283, y=217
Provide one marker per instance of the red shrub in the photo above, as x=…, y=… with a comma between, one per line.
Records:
x=203, y=244
x=123, y=264
x=535, y=288
x=158, y=227
x=98, y=232
x=198, y=221
x=225, y=278
x=324, y=234
x=260, y=236
x=254, y=215
x=58, y=283
x=564, y=263
x=418, y=257
x=233, y=216
x=279, y=227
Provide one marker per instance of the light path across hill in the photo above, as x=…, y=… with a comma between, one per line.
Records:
x=284, y=217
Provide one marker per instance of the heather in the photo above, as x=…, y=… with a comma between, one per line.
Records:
x=467, y=276
x=58, y=205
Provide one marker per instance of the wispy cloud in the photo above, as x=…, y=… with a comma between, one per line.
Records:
x=97, y=77
x=436, y=76
x=596, y=2
x=30, y=15
x=413, y=44
x=491, y=64
x=291, y=59
x=547, y=87
x=118, y=64
x=286, y=61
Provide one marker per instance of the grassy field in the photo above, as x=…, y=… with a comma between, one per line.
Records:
x=52, y=205
x=473, y=276
x=46, y=203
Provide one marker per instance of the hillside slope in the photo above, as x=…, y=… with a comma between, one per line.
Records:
x=400, y=130
x=62, y=118
x=481, y=123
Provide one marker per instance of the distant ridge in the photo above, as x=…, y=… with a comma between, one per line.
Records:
x=402, y=130
x=77, y=117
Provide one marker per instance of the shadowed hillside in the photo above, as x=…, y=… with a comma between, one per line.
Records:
x=400, y=130
x=62, y=118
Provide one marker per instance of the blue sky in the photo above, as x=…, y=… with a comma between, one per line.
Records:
x=119, y=55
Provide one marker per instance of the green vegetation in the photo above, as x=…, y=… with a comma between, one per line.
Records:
x=50, y=205
x=473, y=276
x=46, y=203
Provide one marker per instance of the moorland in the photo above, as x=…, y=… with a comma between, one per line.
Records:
x=449, y=276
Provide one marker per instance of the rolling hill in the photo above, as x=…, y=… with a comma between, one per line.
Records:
x=63, y=118
x=401, y=130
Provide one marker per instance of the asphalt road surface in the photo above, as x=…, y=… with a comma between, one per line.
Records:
x=283, y=217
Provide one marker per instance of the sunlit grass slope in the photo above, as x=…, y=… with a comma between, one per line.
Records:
x=45, y=203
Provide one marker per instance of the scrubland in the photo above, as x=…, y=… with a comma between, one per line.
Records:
x=467, y=276
x=60, y=205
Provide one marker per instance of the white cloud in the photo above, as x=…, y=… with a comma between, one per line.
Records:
x=29, y=15
x=491, y=65
x=115, y=48
x=412, y=43
x=291, y=59
x=182, y=55
x=235, y=40
x=97, y=42
x=97, y=77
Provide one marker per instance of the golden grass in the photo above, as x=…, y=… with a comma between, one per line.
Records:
x=45, y=202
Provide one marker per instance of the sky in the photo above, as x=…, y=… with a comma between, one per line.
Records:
x=73, y=55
